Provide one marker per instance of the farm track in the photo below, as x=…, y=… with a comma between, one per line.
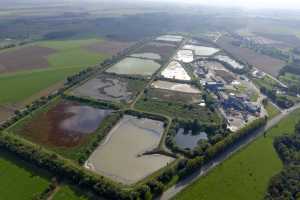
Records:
x=172, y=191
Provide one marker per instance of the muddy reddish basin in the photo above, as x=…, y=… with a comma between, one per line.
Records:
x=65, y=124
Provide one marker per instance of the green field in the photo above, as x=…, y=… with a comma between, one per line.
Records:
x=178, y=110
x=68, y=193
x=18, y=180
x=70, y=58
x=71, y=53
x=290, y=79
x=19, y=86
x=266, y=82
x=246, y=174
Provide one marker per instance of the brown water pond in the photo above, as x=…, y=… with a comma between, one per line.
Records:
x=66, y=124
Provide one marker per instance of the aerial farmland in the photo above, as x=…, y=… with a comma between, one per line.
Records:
x=130, y=120
x=144, y=100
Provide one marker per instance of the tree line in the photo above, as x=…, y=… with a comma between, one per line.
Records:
x=286, y=184
x=280, y=100
x=102, y=186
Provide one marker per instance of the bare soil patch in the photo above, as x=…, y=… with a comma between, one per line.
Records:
x=31, y=57
x=108, y=47
x=5, y=113
x=265, y=63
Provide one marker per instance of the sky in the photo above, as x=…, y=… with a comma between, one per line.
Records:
x=252, y=4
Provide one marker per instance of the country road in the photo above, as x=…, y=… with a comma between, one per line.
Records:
x=172, y=191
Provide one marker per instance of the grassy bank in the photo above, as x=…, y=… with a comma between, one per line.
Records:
x=19, y=180
x=246, y=174
x=67, y=192
x=271, y=110
x=19, y=86
x=178, y=110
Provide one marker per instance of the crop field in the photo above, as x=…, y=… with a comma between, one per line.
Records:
x=110, y=88
x=108, y=47
x=19, y=180
x=135, y=66
x=29, y=83
x=265, y=63
x=35, y=70
x=25, y=58
x=72, y=53
x=162, y=49
x=54, y=54
x=178, y=110
x=64, y=126
x=247, y=173
x=130, y=138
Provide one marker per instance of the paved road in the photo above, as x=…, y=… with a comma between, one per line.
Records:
x=171, y=192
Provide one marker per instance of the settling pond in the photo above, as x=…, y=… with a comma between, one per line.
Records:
x=105, y=88
x=65, y=124
x=201, y=50
x=174, y=70
x=135, y=66
x=119, y=155
x=170, y=38
x=147, y=55
x=188, y=140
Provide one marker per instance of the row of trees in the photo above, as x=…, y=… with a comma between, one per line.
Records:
x=286, y=184
x=189, y=166
x=102, y=186
x=93, y=103
x=61, y=167
x=195, y=127
x=280, y=100
x=8, y=46
x=292, y=68
x=259, y=48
